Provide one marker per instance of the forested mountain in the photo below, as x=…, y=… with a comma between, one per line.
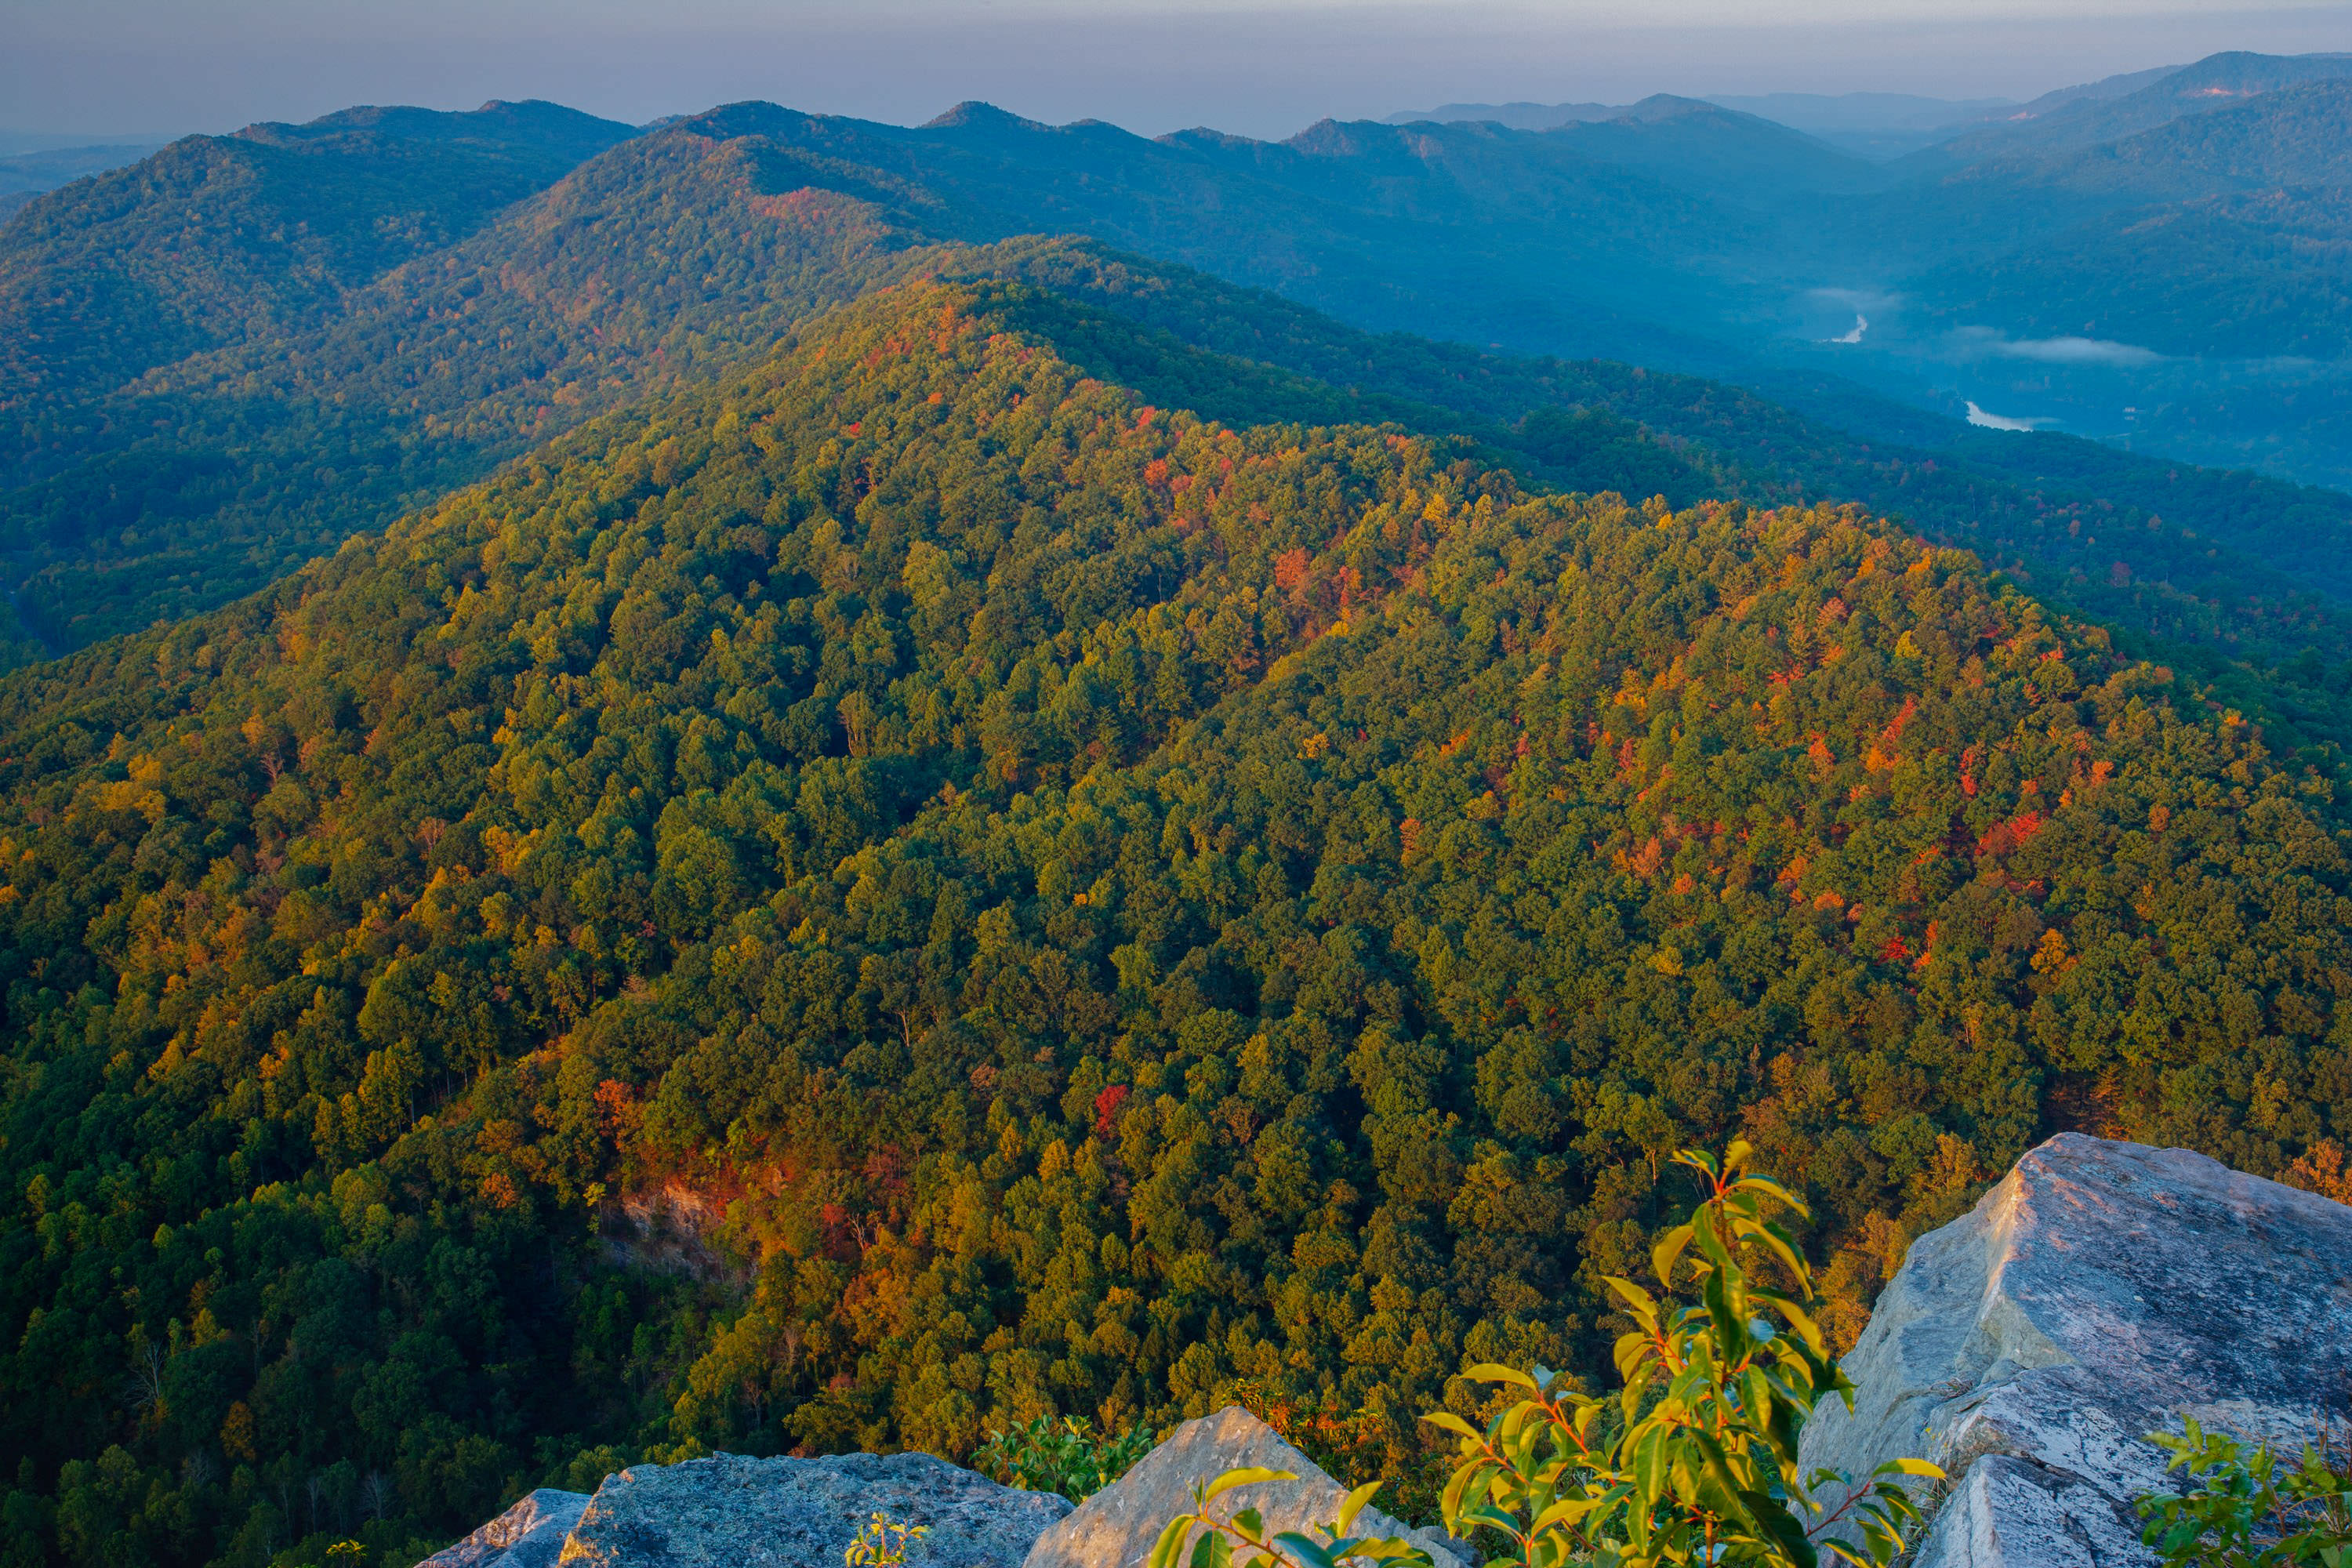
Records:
x=2222, y=233
x=24, y=176
x=1878, y=125
x=2085, y=118
x=1725, y=152
x=675, y=253
x=217, y=239
x=2080, y=522
x=789, y=783
x=912, y=885
x=214, y=474
x=141, y=502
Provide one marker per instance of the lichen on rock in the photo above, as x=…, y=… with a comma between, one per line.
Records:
x=528, y=1535
x=728, y=1511
x=2101, y=1291
x=1116, y=1527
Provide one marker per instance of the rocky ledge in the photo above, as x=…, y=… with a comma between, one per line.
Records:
x=2100, y=1292
x=1117, y=1526
x=728, y=1511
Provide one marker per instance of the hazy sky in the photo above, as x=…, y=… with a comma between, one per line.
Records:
x=1261, y=69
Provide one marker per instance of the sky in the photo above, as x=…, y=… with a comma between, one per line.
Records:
x=1258, y=67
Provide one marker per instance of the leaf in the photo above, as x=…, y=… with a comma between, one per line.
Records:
x=1450, y=1422
x=1640, y=1303
x=1785, y=1250
x=1303, y=1550
x=1782, y=1526
x=1767, y=1185
x=1647, y=1462
x=1711, y=1248
x=1769, y=1411
x=1669, y=1247
x=1487, y=1372
x=1729, y=1322
x=1718, y=1469
x=1802, y=1320
x=1171, y=1545
x=1457, y=1496
x=1698, y=1160
x=1353, y=1505
x=1566, y=1510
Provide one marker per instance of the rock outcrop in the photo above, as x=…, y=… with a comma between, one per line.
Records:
x=728, y=1511
x=528, y=1535
x=1116, y=1527
x=2102, y=1292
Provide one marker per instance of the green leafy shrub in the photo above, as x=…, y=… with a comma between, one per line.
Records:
x=882, y=1543
x=1063, y=1455
x=1696, y=1459
x=2245, y=1509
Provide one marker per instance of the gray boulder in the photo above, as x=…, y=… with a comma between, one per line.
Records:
x=528, y=1535
x=1116, y=1527
x=2101, y=1291
x=727, y=1512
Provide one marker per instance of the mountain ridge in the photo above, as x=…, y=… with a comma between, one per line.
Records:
x=1004, y=852
x=400, y=395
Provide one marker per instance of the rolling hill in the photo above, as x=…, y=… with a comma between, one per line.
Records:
x=212, y=475
x=2222, y=234
x=674, y=255
x=217, y=239
x=24, y=176
x=2081, y=119
x=913, y=882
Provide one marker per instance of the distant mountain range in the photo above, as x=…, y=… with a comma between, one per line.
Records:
x=1887, y=125
x=237, y=352
x=2081, y=118
x=1872, y=124
x=228, y=356
x=2198, y=264
x=24, y=176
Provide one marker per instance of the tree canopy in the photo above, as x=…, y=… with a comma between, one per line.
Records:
x=910, y=885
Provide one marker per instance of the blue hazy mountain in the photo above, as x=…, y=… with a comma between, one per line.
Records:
x=237, y=352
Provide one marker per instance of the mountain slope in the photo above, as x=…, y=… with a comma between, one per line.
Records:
x=2185, y=555
x=677, y=253
x=2226, y=236
x=1719, y=151
x=210, y=477
x=910, y=888
x=2083, y=118
x=219, y=238
x=24, y=176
